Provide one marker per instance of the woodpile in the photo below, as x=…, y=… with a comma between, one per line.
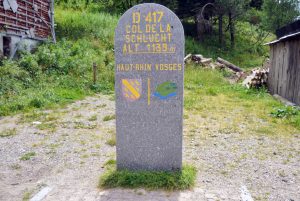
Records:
x=257, y=79
x=229, y=65
x=198, y=59
x=208, y=62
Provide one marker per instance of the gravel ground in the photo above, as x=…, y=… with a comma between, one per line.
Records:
x=66, y=149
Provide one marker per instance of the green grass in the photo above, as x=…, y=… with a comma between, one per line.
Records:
x=152, y=180
x=109, y=117
x=110, y=162
x=26, y=196
x=8, y=132
x=48, y=126
x=209, y=95
x=111, y=141
x=93, y=118
x=27, y=156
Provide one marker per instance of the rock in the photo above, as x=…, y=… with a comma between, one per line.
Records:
x=36, y=123
x=141, y=192
x=210, y=196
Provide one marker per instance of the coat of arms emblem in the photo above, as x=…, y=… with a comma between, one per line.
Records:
x=131, y=89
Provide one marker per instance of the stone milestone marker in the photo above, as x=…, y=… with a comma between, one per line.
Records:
x=149, y=51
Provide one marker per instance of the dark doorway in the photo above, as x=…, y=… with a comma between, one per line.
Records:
x=6, y=46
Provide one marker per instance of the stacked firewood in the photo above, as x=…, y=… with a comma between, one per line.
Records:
x=258, y=78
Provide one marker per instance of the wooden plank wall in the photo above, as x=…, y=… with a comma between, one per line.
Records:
x=284, y=76
x=31, y=14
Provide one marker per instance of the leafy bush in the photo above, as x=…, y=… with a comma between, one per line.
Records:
x=286, y=112
x=249, y=52
x=62, y=72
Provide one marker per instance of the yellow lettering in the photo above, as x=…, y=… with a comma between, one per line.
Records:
x=128, y=29
x=127, y=38
x=136, y=17
x=161, y=14
x=179, y=67
x=125, y=49
x=136, y=47
x=161, y=29
x=168, y=28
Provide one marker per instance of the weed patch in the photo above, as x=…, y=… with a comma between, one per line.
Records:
x=93, y=118
x=111, y=141
x=82, y=125
x=27, y=156
x=48, y=126
x=109, y=117
x=8, y=132
x=286, y=112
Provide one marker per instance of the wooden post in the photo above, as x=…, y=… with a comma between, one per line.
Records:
x=94, y=73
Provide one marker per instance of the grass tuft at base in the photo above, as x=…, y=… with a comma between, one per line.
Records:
x=177, y=180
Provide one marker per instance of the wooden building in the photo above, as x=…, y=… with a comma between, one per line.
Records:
x=23, y=23
x=284, y=76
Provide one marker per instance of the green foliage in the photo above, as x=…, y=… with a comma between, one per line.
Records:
x=109, y=117
x=61, y=73
x=248, y=53
x=286, y=112
x=278, y=13
x=110, y=162
x=256, y=4
x=112, y=141
x=8, y=133
x=290, y=115
x=233, y=6
x=78, y=25
x=177, y=180
x=27, y=156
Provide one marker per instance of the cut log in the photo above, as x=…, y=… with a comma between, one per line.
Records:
x=206, y=61
x=257, y=79
x=197, y=58
x=187, y=57
x=219, y=65
x=229, y=65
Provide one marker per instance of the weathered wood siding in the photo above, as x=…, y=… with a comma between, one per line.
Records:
x=284, y=77
x=31, y=15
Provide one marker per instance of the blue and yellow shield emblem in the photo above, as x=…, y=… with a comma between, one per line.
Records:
x=131, y=89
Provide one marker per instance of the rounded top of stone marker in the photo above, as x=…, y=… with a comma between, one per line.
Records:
x=151, y=6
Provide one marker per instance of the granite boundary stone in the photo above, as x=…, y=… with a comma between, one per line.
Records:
x=149, y=78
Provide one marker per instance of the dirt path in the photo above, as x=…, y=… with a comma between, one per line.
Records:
x=66, y=150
